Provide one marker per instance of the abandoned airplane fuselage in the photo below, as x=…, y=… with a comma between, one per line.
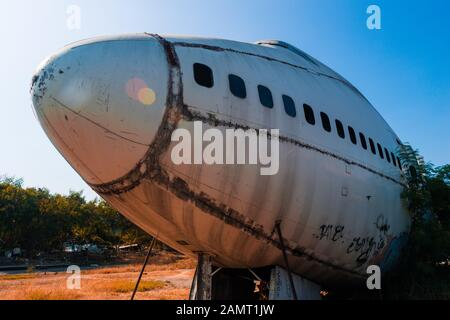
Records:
x=111, y=106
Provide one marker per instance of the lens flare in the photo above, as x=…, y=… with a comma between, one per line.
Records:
x=138, y=90
x=147, y=96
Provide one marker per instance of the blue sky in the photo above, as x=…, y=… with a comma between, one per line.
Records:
x=403, y=69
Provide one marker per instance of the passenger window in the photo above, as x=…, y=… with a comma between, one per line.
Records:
x=380, y=151
x=372, y=146
x=362, y=138
x=399, y=163
x=352, y=135
x=237, y=86
x=393, y=159
x=325, y=122
x=340, y=129
x=388, y=158
x=265, y=96
x=289, y=106
x=309, y=114
x=203, y=75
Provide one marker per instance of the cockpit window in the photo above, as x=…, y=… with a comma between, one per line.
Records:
x=237, y=86
x=203, y=75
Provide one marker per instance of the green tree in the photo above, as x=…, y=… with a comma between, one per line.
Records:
x=424, y=270
x=37, y=221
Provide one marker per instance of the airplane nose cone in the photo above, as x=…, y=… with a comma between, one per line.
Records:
x=101, y=103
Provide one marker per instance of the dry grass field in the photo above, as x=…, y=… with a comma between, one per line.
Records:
x=166, y=277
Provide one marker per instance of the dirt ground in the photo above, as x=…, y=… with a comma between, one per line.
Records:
x=165, y=278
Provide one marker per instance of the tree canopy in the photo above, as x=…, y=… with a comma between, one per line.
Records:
x=35, y=220
x=424, y=271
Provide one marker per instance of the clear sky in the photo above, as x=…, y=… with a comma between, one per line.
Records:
x=403, y=69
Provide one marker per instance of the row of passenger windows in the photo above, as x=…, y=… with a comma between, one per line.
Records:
x=203, y=75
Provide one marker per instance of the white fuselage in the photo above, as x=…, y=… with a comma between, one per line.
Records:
x=338, y=203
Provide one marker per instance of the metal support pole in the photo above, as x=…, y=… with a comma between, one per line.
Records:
x=283, y=249
x=143, y=267
x=204, y=277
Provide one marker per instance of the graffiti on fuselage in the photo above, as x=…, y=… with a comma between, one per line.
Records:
x=362, y=247
x=330, y=232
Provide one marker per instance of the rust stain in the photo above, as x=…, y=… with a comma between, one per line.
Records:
x=39, y=83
